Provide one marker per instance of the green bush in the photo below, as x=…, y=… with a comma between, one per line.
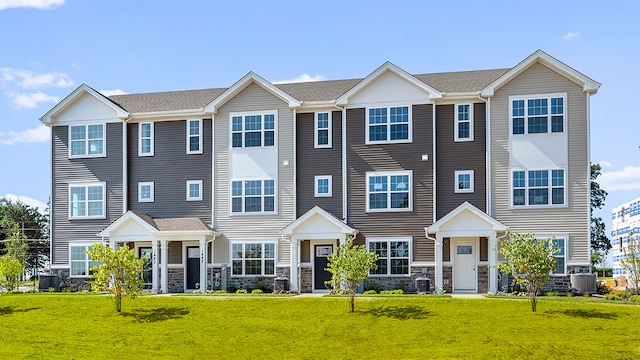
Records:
x=634, y=299
x=602, y=289
x=370, y=292
x=612, y=297
x=241, y=291
x=553, y=293
x=257, y=291
x=261, y=285
x=220, y=292
x=392, y=292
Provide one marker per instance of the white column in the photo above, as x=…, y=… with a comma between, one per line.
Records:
x=164, y=250
x=293, y=281
x=439, y=273
x=203, y=266
x=493, y=272
x=154, y=266
x=112, y=244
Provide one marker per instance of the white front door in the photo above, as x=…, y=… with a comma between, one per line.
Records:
x=464, y=266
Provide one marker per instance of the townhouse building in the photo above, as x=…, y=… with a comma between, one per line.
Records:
x=239, y=186
x=625, y=223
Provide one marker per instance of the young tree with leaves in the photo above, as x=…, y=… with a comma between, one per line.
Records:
x=529, y=260
x=599, y=239
x=631, y=261
x=17, y=246
x=348, y=266
x=118, y=272
x=10, y=272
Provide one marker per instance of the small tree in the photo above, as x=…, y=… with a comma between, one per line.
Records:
x=631, y=261
x=10, y=272
x=119, y=272
x=17, y=246
x=348, y=266
x=530, y=260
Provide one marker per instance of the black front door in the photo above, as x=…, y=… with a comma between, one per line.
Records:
x=193, y=267
x=320, y=262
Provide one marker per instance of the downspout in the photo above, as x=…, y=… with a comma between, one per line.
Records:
x=295, y=164
x=125, y=177
x=344, y=165
x=213, y=173
x=436, y=289
x=434, y=162
x=488, y=153
x=588, y=100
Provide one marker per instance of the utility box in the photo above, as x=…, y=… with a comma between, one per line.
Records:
x=280, y=284
x=48, y=281
x=423, y=285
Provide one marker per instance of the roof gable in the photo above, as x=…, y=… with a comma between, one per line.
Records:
x=588, y=85
x=250, y=78
x=466, y=217
x=318, y=222
x=75, y=96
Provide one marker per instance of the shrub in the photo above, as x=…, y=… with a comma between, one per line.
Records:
x=392, y=292
x=372, y=286
x=602, y=288
x=231, y=289
x=256, y=291
x=370, y=292
x=612, y=297
x=220, y=292
x=402, y=285
x=553, y=293
x=635, y=299
x=261, y=285
x=241, y=291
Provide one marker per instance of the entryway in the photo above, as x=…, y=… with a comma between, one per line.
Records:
x=146, y=254
x=465, y=276
x=320, y=262
x=193, y=267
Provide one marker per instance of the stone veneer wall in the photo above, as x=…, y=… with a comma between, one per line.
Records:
x=406, y=283
x=306, y=279
x=71, y=284
x=483, y=279
x=561, y=284
x=447, y=279
x=175, y=280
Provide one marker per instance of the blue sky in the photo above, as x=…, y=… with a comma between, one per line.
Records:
x=49, y=47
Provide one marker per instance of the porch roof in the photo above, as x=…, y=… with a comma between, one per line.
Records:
x=318, y=223
x=466, y=219
x=135, y=224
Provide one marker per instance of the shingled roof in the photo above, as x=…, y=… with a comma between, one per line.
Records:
x=174, y=224
x=449, y=82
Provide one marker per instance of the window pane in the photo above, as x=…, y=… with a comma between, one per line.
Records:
x=400, y=200
x=194, y=127
x=539, y=178
x=518, y=108
x=518, y=126
x=382, y=267
x=323, y=137
x=463, y=112
x=95, y=208
x=269, y=251
x=518, y=197
x=557, y=196
x=399, y=132
x=269, y=138
x=77, y=253
x=253, y=187
x=464, y=181
x=378, y=201
x=269, y=122
x=236, y=205
x=323, y=186
x=399, y=114
x=78, y=148
x=145, y=192
x=399, y=249
x=269, y=267
x=323, y=121
x=253, y=251
x=237, y=251
x=557, y=177
x=253, y=122
x=95, y=132
x=269, y=187
x=399, y=266
x=78, y=193
x=78, y=133
x=399, y=182
x=463, y=130
x=518, y=179
x=236, y=266
x=236, y=123
x=145, y=146
x=378, y=116
x=95, y=147
x=269, y=203
x=557, y=124
x=253, y=204
x=252, y=139
x=537, y=107
x=78, y=268
x=253, y=267
x=377, y=183
x=378, y=133
x=379, y=248
x=236, y=188
x=538, y=196
x=236, y=140
x=537, y=125
x=145, y=130
x=557, y=106
x=94, y=192
x=194, y=143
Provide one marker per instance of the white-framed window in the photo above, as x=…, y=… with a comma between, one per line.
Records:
x=146, y=191
x=145, y=139
x=538, y=114
x=538, y=187
x=253, y=129
x=194, y=136
x=323, y=186
x=87, y=201
x=560, y=243
x=253, y=196
x=388, y=125
x=464, y=181
x=87, y=140
x=463, y=122
x=393, y=255
x=80, y=262
x=194, y=190
x=253, y=258
x=322, y=130
x=389, y=191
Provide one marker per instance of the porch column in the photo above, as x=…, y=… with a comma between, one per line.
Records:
x=293, y=281
x=493, y=272
x=203, y=266
x=154, y=266
x=439, y=273
x=164, y=251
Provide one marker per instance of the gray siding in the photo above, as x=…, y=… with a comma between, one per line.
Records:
x=573, y=220
x=454, y=156
x=65, y=171
x=363, y=158
x=169, y=169
x=246, y=226
x=313, y=162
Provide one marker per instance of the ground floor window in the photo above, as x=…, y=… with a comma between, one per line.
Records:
x=79, y=261
x=393, y=256
x=253, y=258
x=559, y=243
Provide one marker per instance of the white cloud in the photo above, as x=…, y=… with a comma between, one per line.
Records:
x=37, y=135
x=605, y=164
x=302, y=78
x=28, y=79
x=38, y=4
x=30, y=101
x=112, y=92
x=570, y=35
x=28, y=201
x=626, y=179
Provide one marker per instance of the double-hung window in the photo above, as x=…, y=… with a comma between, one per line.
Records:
x=87, y=201
x=145, y=139
x=322, y=130
x=86, y=140
x=194, y=190
x=463, y=122
x=145, y=191
x=538, y=187
x=253, y=196
x=538, y=114
x=389, y=191
x=253, y=130
x=194, y=136
x=393, y=256
x=80, y=262
x=388, y=125
x=559, y=244
x=253, y=258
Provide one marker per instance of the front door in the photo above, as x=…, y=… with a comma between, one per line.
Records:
x=464, y=271
x=193, y=267
x=145, y=253
x=320, y=262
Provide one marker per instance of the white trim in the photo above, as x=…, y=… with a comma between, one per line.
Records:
x=343, y=228
x=86, y=185
x=388, y=174
x=86, y=141
x=554, y=237
x=262, y=114
x=152, y=191
x=151, y=139
x=549, y=187
x=387, y=239
x=200, y=192
x=262, y=197
x=199, y=136
x=456, y=186
x=549, y=115
x=329, y=129
x=457, y=121
x=388, y=124
x=262, y=258
x=48, y=118
x=87, y=260
x=316, y=192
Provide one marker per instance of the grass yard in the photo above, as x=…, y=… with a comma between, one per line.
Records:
x=74, y=326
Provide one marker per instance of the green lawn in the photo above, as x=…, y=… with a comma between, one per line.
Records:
x=182, y=327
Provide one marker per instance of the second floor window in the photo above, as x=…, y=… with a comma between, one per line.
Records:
x=538, y=187
x=539, y=114
x=463, y=122
x=86, y=140
x=322, y=130
x=86, y=201
x=389, y=191
x=145, y=139
x=194, y=136
x=194, y=190
x=388, y=125
x=253, y=130
x=145, y=191
x=253, y=196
